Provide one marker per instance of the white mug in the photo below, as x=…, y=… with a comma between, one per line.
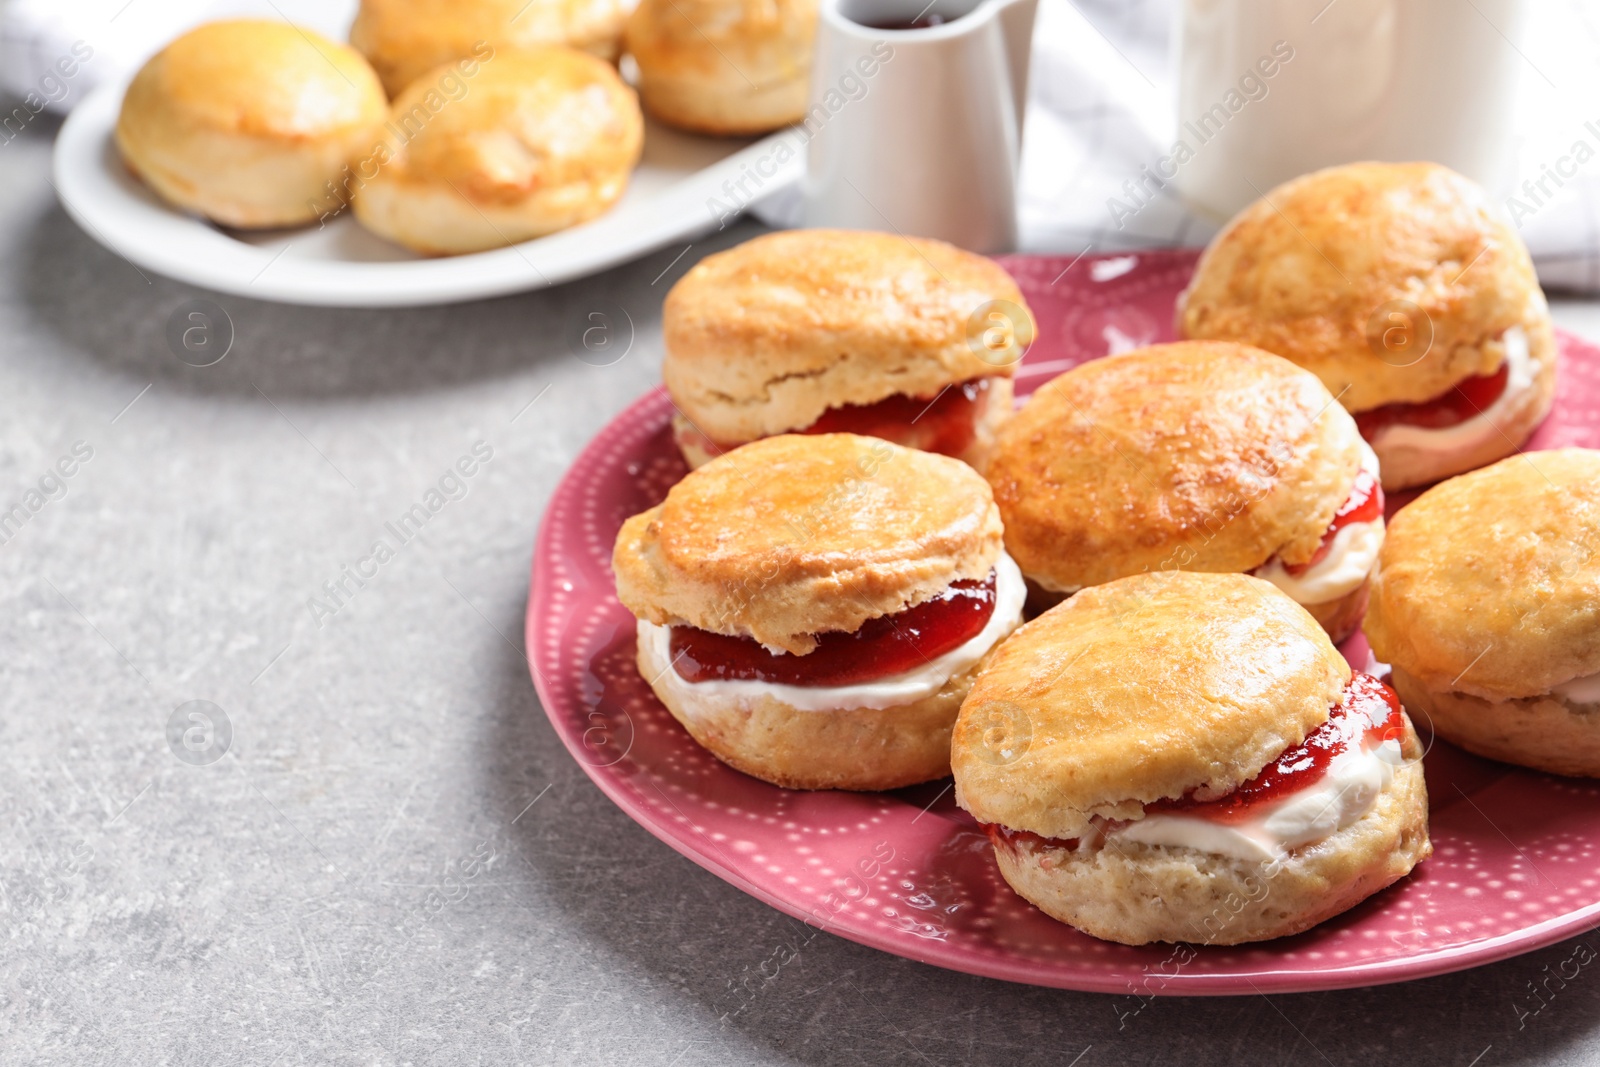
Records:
x=1271, y=89
x=918, y=130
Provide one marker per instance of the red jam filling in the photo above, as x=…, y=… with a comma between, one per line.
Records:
x=946, y=422
x=881, y=648
x=1364, y=504
x=1005, y=835
x=1369, y=716
x=1469, y=398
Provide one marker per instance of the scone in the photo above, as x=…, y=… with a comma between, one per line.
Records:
x=1197, y=456
x=405, y=39
x=1407, y=292
x=542, y=140
x=723, y=66
x=823, y=331
x=813, y=609
x=1487, y=606
x=249, y=123
x=1185, y=757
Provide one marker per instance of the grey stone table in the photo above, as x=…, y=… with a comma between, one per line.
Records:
x=395, y=862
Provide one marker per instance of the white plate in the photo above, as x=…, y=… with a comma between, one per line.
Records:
x=670, y=198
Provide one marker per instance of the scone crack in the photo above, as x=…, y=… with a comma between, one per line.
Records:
x=765, y=394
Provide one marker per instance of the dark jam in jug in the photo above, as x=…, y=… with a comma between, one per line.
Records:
x=925, y=21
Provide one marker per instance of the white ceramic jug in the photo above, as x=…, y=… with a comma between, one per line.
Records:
x=915, y=123
x=1269, y=89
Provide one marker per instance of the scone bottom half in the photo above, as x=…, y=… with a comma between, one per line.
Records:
x=1186, y=758
x=813, y=609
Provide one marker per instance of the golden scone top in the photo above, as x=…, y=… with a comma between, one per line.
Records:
x=1489, y=583
x=723, y=67
x=765, y=337
x=1318, y=269
x=791, y=536
x=258, y=77
x=405, y=39
x=1146, y=688
x=531, y=120
x=1207, y=456
x=700, y=39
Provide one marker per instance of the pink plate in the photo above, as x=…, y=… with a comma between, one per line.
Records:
x=1516, y=861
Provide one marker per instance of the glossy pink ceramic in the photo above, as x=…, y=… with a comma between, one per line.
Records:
x=1516, y=861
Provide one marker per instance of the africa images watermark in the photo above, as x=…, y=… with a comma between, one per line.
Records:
x=1203, y=128
x=52, y=486
x=740, y=192
x=854, y=886
x=403, y=127
x=1252, y=890
x=1549, y=984
x=51, y=88
x=453, y=484
x=1536, y=192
